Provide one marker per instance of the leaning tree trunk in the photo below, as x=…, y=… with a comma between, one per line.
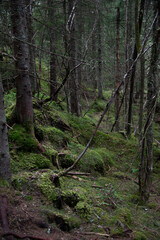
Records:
x=24, y=108
x=146, y=166
x=5, y=172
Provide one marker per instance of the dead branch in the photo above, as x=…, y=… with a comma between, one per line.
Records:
x=78, y=173
x=93, y=233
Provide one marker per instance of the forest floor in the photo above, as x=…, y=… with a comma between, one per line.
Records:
x=97, y=200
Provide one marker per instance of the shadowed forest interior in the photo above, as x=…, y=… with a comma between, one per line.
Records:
x=79, y=119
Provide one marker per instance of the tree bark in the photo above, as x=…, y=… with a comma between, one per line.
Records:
x=99, y=82
x=30, y=34
x=5, y=172
x=117, y=99
x=53, y=75
x=73, y=81
x=138, y=27
x=146, y=166
x=24, y=108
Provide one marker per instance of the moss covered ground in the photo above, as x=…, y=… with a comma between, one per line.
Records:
x=105, y=200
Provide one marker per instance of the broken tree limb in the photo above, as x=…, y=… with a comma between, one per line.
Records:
x=125, y=79
x=93, y=233
x=78, y=173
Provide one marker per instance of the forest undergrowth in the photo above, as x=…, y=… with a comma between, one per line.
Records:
x=99, y=199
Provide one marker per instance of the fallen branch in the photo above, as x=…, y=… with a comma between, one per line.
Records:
x=78, y=173
x=19, y=236
x=93, y=233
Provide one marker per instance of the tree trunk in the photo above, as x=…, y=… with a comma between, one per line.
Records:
x=5, y=172
x=138, y=26
x=99, y=82
x=73, y=81
x=146, y=166
x=30, y=33
x=117, y=99
x=24, y=108
x=53, y=75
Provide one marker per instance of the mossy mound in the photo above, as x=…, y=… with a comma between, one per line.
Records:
x=21, y=140
x=63, y=220
x=84, y=209
x=29, y=161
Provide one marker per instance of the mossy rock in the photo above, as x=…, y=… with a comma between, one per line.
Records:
x=55, y=136
x=23, y=140
x=66, y=160
x=83, y=209
x=50, y=153
x=64, y=221
x=92, y=162
x=29, y=161
x=72, y=196
x=108, y=157
x=51, y=192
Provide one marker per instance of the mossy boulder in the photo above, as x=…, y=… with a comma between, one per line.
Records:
x=48, y=189
x=29, y=161
x=55, y=136
x=83, y=209
x=20, y=139
x=66, y=160
x=50, y=153
x=72, y=196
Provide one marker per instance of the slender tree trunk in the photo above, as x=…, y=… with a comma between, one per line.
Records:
x=126, y=61
x=117, y=99
x=99, y=82
x=138, y=26
x=24, y=109
x=30, y=33
x=53, y=75
x=5, y=171
x=146, y=166
x=73, y=83
x=94, y=80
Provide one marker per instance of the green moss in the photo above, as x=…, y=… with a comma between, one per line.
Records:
x=21, y=139
x=20, y=182
x=91, y=162
x=73, y=196
x=48, y=189
x=64, y=221
x=55, y=136
x=83, y=209
x=29, y=161
x=107, y=156
x=139, y=236
x=51, y=153
x=66, y=160
x=123, y=215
